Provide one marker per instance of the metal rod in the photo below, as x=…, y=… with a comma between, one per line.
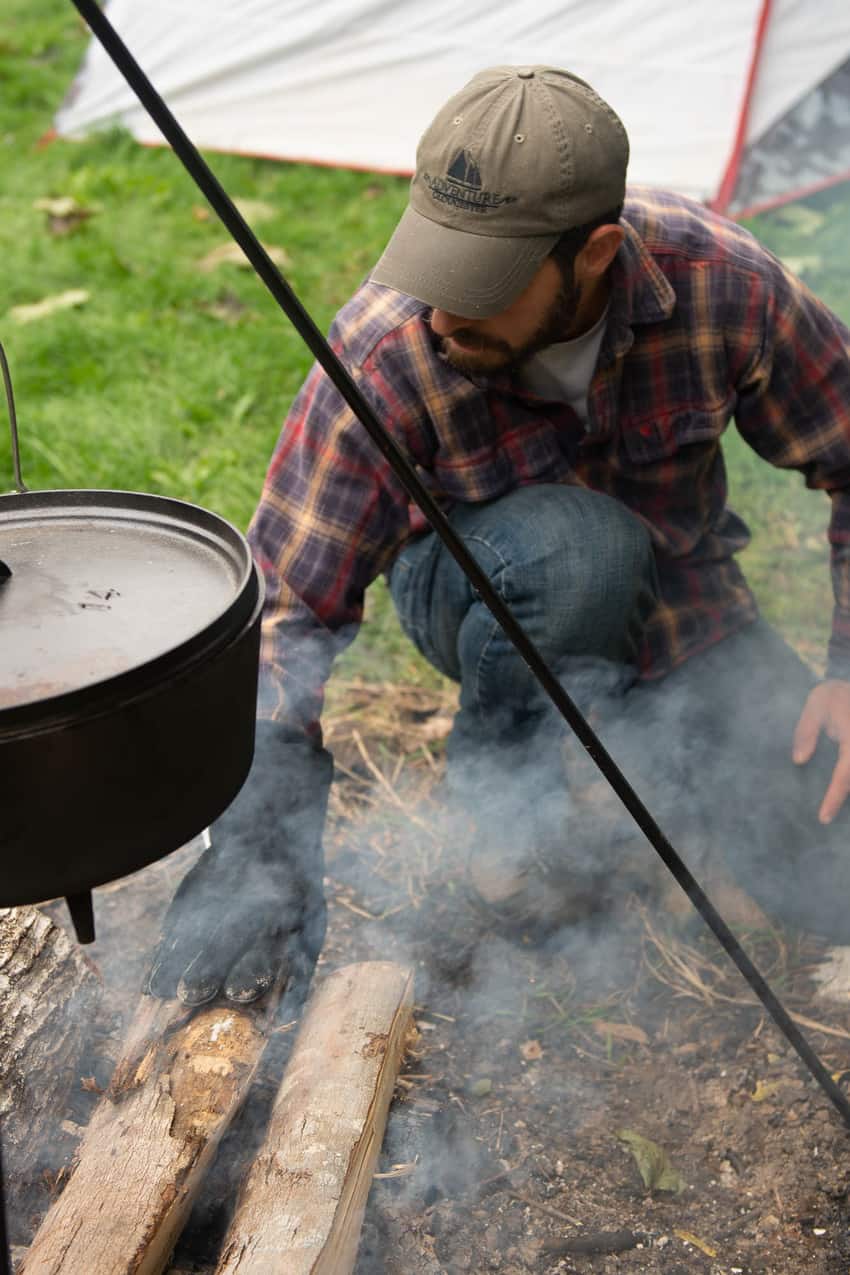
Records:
x=13, y=422
x=202, y=175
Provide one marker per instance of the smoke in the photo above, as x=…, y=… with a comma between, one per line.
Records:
x=708, y=749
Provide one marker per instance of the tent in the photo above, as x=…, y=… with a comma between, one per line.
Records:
x=742, y=103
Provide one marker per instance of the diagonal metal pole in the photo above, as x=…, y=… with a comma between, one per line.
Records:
x=203, y=176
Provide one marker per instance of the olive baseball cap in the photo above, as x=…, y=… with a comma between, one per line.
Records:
x=518, y=156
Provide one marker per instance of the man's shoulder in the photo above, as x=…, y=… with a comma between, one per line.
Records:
x=374, y=315
x=672, y=225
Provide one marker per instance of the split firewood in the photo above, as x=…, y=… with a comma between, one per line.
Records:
x=48, y=994
x=301, y=1208
x=181, y=1079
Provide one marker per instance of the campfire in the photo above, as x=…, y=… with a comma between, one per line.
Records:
x=504, y=1145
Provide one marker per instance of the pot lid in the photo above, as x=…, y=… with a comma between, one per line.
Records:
x=103, y=582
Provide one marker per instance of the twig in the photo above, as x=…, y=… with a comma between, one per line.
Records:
x=694, y=987
x=386, y=785
x=352, y=907
x=545, y=1208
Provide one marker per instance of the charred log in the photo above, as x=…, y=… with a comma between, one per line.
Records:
x=48, y=995
x=181, y=1079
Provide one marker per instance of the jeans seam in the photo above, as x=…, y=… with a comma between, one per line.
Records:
x=495, y=626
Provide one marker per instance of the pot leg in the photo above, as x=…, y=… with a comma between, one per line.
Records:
x=82, y=914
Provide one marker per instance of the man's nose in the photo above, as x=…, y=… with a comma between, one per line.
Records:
x=444, y=324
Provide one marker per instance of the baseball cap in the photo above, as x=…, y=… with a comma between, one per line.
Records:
x=518, y=156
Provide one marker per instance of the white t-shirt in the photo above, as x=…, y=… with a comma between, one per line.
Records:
x=564, y=371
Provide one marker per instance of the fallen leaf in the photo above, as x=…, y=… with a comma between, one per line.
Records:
x=90, y=1085
x=799, y=265
x=621, y=1031
x=654, y=1163
x=230, y=254
x=436, y=727
x=690, y=1238
x=41, y=309
x=531, y=1050
x=480, y=1088
x=64, y=213
x=692, y=1047
x=764, y=1089
x=255, y=210
x=227, y=308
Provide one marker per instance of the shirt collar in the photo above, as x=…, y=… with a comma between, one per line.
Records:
x=639, y=290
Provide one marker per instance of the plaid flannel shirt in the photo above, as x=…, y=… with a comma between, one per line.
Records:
x=704, y=326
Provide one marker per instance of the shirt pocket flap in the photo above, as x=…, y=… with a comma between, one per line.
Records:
x=665, y=435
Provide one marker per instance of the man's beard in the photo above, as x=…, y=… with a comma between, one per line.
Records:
x=482, y=353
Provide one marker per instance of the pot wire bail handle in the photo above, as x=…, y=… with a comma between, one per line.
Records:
x=6, y=571
x=13, y=423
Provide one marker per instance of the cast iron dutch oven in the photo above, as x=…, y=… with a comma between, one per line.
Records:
x=129, y=650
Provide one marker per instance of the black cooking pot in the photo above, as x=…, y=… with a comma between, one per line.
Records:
x=129, y=650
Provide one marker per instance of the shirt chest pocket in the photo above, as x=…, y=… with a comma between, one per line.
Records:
x=660, y=438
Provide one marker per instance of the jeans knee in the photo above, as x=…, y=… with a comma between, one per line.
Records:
x=578, y=569
x=574, y=566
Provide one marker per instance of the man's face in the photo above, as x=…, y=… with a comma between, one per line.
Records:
x=543, y=314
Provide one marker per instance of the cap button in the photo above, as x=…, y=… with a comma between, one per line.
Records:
x=525, y=73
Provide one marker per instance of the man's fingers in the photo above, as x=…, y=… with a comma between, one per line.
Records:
x=806, y=733
x=201, y=981
x=257, y=969
x=170, y=958
x=839, y=787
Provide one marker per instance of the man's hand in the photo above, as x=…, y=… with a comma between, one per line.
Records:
x=252, y=910
x=827, y=709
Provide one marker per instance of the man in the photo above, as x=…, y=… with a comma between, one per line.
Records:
x=561, y=369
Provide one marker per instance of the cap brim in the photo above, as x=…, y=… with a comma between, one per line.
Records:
x=474, y=276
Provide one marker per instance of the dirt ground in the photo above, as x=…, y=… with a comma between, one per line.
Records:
x=538, y=1066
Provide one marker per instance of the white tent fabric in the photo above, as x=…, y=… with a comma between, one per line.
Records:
x=355, y=82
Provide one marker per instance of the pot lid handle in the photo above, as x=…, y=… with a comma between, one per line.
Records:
x=13, y=425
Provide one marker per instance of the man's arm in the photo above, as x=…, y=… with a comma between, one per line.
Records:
x=794, y=410
x=250, y=914
x=331, y=517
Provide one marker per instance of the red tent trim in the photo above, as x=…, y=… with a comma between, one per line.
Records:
x=779, y=200
x=721, y=200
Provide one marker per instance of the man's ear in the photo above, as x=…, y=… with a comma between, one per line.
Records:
x=599, y=251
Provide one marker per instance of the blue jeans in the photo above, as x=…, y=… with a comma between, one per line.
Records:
x=577, y=570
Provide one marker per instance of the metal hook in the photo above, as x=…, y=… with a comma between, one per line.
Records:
x=13, y=422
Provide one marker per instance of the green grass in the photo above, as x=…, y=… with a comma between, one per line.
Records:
x=173, y=380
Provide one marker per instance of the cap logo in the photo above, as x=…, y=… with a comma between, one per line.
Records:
x=462, y=187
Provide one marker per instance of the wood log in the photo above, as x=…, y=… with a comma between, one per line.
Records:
x=301, y=1208
x=182, y=1077
x=48, y=994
